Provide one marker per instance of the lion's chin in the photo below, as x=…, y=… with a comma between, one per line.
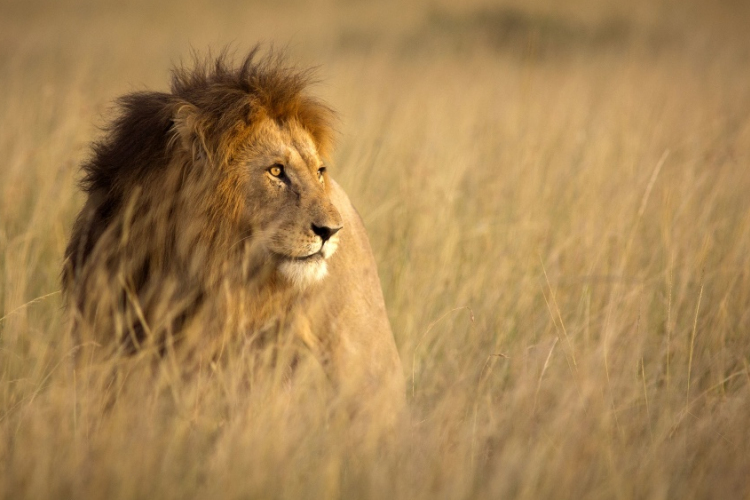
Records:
x=303, y=273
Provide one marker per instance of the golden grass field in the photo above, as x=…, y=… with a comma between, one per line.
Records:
x=558, y=198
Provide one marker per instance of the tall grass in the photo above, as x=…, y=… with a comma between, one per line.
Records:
x=562, y=226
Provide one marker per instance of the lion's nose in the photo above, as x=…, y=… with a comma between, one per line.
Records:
x=325, y=232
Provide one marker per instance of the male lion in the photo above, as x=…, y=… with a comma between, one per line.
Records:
x=210, y=214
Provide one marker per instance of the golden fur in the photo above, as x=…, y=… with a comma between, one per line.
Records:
x=209, y=209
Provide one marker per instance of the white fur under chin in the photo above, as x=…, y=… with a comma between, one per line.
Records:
x=302, y=273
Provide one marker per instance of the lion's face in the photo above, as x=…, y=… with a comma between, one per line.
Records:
x=288, y=210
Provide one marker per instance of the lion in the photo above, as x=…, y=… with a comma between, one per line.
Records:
x=210, y=209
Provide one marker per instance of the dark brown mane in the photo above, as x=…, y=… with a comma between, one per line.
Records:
x=262, y=87
x=227, y=101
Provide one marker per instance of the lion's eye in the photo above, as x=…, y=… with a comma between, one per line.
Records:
x=276, y=170
x=321, y=171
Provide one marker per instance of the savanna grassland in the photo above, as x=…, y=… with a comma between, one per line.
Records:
x=558, y=198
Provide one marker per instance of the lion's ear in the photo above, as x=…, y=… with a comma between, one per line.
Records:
x=188, y=130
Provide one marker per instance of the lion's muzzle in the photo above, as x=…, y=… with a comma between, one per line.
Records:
x=325, y=232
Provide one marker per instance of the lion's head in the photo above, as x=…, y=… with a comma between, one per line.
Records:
x=231, y=156
x=287, y=206
x=271, y=142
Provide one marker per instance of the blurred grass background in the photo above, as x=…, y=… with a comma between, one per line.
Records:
x=557, y=197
